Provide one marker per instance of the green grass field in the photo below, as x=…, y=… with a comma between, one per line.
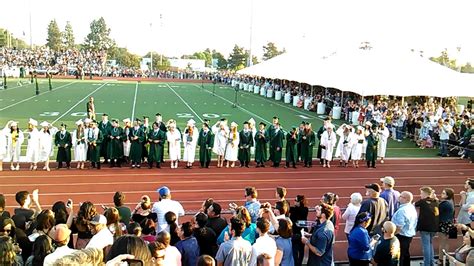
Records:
x=180, y=101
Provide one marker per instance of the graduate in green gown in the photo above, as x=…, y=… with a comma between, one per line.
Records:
x=298, y=145
x=63, y=141
x=105, y=126
x=308, y=139
x=270, y=133
x=291, y=154
x=245, y=143
x=205, y=143
x=261, y=139
x=276, y=145
x=115, y=145
x=156, y=139
x=94, y=139
x=136, y=137
x=371, y=150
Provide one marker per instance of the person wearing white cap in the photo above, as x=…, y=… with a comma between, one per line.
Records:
x=357, y=146
x=383, y=135
x=126, y=140
x=190, y=138
x=14, y=140
x=79, y=143
x=232, y=147
x=328, y=141
x=63, y=141
x=32, y=150
x=102, y=235
x=46, y=143
x=174, y=139
x=221, y=133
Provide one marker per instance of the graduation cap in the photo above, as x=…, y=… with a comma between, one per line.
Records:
x=275, y=117
x=207, y=121
x=262, y=123
x=44, y=124
x=303, y=122
x=146, y=117
x=246, y=123
x=327, y=118
x=138, y=120
x=223, y=119
x=157, y=114
x=115, y=120
x=63, y=125
x=205, y=124
x=307, y=123
x=294, y=128
x=105, y=114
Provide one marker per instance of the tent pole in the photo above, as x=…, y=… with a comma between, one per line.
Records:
x=312, y=91
x=403, y=101
x=342, y=98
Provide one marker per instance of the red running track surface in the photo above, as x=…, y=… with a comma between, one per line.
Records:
x=191, y=187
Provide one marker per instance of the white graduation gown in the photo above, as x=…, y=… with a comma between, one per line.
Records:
x=46, y=145
x=220, y=142
x=80, y=150
x=344, y=149
x=13, y=151
x=189, y=153
x=383, y=140
x=232, y=149
x=174, y=139
x=126, y=143
x=33, y=148
x=329, y=141
x=3, y=144
x=357, y=146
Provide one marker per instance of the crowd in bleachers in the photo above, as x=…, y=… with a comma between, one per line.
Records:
x=379, y=230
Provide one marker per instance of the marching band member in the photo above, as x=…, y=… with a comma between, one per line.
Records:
x=174, y=139
x=79, y=143
x=14, y=140
x=190, y=139
x=32, y=150
x=328, y=141
x=383, y=135
x=232, y=147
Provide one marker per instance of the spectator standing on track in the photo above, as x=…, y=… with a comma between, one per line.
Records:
x=26, y=202
x=284, y=253
x=405, y=218
x=172, y=254
x=467, y=199
x=236, y=251
x=321, y=241
x=143, y=210
x=102, y=236
x=428, y=222
x=60, y=234
x=387, y=251
x=376, y=206
x=164, y=205
x=215, y=221
x=251, y=203
x=446, y=220
x=351, y=212
x=188, y=245
x=390, y=195
x=360, y=244
x=80, y=224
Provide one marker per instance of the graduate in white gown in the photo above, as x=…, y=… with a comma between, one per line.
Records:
x=32, y=150
x=221, y=133
x=344, y=146
x=358, y=139
x=254, y=132
x=3, y=145
x=232, y=148
x=383, y=134
x=190, y=138
x=46, y=143
x=126, y=143
x=79, y=144
x=15, y=139
x=328, y=141
x=173, y=136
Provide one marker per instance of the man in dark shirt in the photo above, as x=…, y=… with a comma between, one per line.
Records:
x=387, y=251
x=124, y=212
x=376, y=206
x=205, y=236
x=26, y=202
x=215, y=221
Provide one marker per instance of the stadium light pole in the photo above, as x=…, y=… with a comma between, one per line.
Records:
x=161, y=32
x=31, y=28
x=250, y=63
x=151, y=51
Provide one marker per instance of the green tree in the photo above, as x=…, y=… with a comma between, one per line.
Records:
x=124, y=57
x=444, y=60
x=99, y=37
x=467, y=68
x=54, y=40
x=221, y=61
x=68, y=36
x=270, y=50
x=165, y=63
x=238, y=58
x=254, y=58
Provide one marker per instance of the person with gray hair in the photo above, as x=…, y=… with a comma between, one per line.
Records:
x=405, y=219
x=387, y=251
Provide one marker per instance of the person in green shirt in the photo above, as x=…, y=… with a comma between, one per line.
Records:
x=291, y=154
x=157, y=139
x=63, y=141
x=261, y=139
x=245, y=143
x=205, y=143
x=136, y=137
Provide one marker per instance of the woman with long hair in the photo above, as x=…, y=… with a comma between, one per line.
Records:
x=446, y=219
x=463, y=255
x=80, y=224
x=172, y=227
x=44, y=223
x=79, y=142
x=284, y=254
x=250, y=231
x=8, y=253
x=113, y=224
x=190, y=138
x=14, y=140
x=232, y=148
x=42, y=247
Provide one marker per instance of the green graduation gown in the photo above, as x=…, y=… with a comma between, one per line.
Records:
x=261, y=139
x=64, y=143
x=276, y=146
x=291, y=154
x=157, y=141
x=371, y=150
x=136, y=145
x=115, y=145
x=104, y=128
x=245, y=142
x=205, y=142
x=308, y=140
x=93, y=150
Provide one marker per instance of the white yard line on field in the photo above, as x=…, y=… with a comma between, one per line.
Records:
x=185, y=103
x=134, y=101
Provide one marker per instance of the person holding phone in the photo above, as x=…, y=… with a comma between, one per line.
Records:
x=360, y=243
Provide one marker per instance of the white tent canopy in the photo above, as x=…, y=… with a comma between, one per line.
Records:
x=369, y=72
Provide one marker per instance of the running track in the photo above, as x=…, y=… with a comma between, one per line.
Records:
x=191, y=187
